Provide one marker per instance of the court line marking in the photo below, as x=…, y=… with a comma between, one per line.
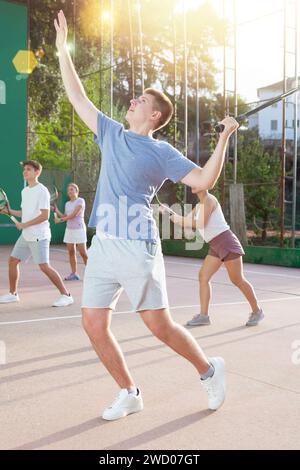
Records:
x=229, y=284
x=35, y=320
x=245, y=270
x=262, y=273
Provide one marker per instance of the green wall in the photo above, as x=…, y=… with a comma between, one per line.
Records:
x=13, y=109
x=289, y=257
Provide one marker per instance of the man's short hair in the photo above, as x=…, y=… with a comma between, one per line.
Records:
x=33, y=163
x=164, y=105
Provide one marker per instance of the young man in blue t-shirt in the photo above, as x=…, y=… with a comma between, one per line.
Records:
x=126, y=251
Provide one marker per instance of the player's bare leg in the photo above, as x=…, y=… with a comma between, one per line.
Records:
x=83, y=252
x=236, y=274
x=212, y=371
x=54, y=277
x=235, y=271
x=161, y=324
x=14, y=274
x=210, y=266
x=96, y=322
x=72, y=256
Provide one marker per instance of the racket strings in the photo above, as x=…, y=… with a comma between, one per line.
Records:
x=3, y=200
x=53, y=192
x=53, y=197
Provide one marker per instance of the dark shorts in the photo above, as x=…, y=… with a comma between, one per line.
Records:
x=226, y=246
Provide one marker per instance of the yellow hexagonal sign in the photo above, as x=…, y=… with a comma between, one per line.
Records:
x=25, y=62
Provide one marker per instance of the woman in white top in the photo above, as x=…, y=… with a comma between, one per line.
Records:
x=75, y=234
x=224, y=247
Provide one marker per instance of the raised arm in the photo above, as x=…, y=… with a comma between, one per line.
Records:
x=206, y=177
x=74, y=88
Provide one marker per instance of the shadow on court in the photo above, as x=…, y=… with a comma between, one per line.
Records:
x=53, y=388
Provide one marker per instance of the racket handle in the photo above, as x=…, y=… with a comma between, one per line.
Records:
x=219, y=128
x=13, y=219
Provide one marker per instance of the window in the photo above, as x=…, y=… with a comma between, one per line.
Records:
x=297, y=123
x=274, y=125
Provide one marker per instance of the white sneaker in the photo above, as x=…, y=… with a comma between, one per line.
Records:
x=9, y=298
x=125, y=404
x=64, y=301
x=215, y=386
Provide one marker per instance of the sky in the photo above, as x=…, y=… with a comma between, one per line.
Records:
x=259, y=43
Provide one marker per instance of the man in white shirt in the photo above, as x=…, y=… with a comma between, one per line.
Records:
x=36, y=235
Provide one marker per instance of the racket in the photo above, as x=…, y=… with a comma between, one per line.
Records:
x=53, y=198
x=170, y=195
x=220, y=127
x=4, y=204
x=161, y=204
x=165, y=200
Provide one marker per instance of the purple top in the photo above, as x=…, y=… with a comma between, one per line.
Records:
x=78, y=221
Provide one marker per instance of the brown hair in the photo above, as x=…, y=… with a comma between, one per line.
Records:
x=164, y=104
x=33, y=163
x=74, y=186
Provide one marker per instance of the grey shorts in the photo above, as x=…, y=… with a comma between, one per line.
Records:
x=131, y=265
x=39, y=250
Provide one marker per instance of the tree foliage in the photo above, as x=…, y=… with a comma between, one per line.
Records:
x=49, y=109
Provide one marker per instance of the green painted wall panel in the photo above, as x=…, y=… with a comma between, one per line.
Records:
x=13, y=109
x=287, y=257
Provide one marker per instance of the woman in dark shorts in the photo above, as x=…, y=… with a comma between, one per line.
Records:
x=224, y=247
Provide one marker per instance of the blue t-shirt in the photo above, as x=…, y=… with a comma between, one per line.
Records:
x=133, y=169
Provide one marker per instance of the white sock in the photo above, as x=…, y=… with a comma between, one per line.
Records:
x=209, y=373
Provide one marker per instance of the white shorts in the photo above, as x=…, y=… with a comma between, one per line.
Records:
x=133, y=265
x=39, y=250
x=77, y=235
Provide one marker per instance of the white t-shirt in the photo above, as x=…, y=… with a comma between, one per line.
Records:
x=216, y=223
x=33, y=200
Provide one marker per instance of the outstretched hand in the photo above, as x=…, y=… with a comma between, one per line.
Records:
x=5, y=210
x=61, y=27
x=230, y=125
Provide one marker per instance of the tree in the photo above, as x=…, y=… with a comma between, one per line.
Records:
x=46, y=90
x=259, y=171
